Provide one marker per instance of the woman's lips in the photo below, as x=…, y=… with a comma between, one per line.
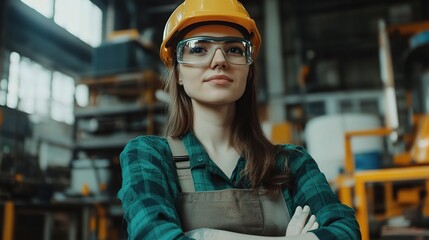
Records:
x=219, y=79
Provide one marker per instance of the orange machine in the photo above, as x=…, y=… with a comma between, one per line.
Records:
x=353, y=189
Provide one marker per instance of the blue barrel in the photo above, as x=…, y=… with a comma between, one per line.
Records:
x=367, y=160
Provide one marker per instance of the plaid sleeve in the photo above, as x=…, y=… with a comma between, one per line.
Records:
x=149, y=190
x=310, y=187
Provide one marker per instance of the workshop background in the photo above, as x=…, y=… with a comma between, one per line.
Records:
x=348, y=79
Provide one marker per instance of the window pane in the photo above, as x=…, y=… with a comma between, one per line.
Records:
x=44, y=7
x=66, y=14
x=82, y=95
x=42, y=107
x=13, y=85
x=69, y=115
x=81, y=18
x=34, y=86
x=92, y=32
x=25, y=76
x=62, y=113
x=62, y=98
x=62, y=88
x=57, y=111
x=43, y=93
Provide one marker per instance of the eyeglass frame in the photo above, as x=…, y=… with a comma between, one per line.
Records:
x=247, y=54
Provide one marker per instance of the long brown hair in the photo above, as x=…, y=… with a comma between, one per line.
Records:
x=246, y=135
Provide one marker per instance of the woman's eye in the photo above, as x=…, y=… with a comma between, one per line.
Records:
x=236, y=50
x=197, y=50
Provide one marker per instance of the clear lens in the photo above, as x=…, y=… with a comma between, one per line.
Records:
x=200, y=50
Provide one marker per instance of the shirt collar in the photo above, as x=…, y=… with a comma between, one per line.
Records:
x=198, y=156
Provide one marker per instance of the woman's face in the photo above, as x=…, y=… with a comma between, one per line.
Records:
x=218, y=82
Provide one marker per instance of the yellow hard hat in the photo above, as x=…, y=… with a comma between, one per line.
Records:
x=192, y=12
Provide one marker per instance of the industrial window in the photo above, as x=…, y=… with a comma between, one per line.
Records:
x=34, y=89
x=81, y=18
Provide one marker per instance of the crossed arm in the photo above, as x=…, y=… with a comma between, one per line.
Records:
x=298, y=229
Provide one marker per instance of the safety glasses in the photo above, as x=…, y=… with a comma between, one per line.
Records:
x=199, y=51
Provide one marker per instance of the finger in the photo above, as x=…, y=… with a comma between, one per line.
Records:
x=305, y=214
x=296, y=216
x=294, y=227
x=309, y=224
x=301, y=216
x=298, y=221
x=315, y=226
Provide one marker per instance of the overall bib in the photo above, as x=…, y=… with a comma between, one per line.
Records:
x=247, y=211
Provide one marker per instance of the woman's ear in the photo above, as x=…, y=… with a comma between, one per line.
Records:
x=180, y=81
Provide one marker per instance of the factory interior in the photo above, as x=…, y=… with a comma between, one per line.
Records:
x=346, y=79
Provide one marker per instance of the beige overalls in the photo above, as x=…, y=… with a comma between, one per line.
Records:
x=248, y=211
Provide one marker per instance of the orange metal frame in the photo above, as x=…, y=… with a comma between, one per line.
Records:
x=8, y=220
x=358, y=181
x=349, y=163
x=383, y=175
x=409, y=28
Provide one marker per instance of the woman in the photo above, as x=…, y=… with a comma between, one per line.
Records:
x=216, y=176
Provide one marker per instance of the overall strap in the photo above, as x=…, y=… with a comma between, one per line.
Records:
x=183, y=164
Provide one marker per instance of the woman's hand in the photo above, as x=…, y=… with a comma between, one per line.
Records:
x=214, y=234
x=298, y=223
x=202, y=233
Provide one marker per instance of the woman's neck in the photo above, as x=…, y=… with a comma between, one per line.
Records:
x=212, y=125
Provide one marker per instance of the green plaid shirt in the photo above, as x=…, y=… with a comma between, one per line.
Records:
x=150, y=189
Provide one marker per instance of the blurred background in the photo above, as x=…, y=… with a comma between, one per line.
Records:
x=348, y=79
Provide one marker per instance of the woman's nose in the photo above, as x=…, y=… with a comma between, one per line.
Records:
x=219, y=59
